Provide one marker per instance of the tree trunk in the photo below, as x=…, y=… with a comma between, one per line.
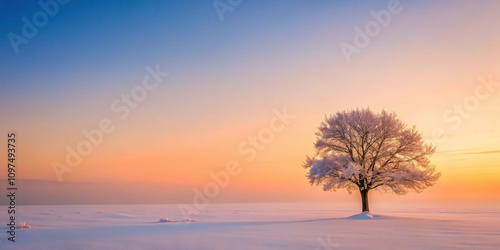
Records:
x=364, y=200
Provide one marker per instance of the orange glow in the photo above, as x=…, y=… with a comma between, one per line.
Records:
x=423, y=67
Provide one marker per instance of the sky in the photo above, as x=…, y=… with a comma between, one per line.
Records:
x=269, y=70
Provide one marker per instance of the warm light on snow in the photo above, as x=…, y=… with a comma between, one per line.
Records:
x=258, y=226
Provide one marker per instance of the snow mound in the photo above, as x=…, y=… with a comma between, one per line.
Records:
x=166, y=220
x=189, y=220
x=24, y=225
x=363, y=216
x=163, y=220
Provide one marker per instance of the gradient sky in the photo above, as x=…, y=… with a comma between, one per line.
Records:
x=226, y=78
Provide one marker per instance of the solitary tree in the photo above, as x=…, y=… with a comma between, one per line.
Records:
x=359, y=149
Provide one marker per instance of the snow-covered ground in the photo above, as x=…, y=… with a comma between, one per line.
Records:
x=254, y=226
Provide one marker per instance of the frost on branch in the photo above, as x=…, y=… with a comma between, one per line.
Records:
x=362, y=150
x=334, y=172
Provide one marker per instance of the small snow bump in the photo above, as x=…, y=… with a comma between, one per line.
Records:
x=166, y=220
x=24, y=225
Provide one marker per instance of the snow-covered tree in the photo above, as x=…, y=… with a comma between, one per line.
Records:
x=359, y=149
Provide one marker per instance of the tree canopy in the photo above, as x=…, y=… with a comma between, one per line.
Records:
x=360, y=149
